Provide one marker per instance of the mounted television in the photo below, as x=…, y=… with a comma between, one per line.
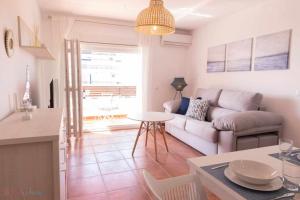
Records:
x=51, y=105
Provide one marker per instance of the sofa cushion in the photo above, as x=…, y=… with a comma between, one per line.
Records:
x=216, y=112
x=212, y=95
x=179, y=121
x=239, y=100
x=197, y=109
x=242, y=121
x=202, y=129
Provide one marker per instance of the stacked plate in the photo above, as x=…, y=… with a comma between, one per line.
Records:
x=253, y=175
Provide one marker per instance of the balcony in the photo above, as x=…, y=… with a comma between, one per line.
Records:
x=106, y=107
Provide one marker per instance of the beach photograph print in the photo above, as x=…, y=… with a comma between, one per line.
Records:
x=216, y=59
x=239, y=56
x=272, y=51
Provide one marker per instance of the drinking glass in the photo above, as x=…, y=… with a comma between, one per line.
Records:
x=285, y=147
x=288, y=176
x=291, y=176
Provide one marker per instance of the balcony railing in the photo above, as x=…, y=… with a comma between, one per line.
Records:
x=94, y=91
x=108, y=102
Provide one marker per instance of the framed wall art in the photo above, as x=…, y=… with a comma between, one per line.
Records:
x=272, y=51
x=239, y=55
x=216, y=59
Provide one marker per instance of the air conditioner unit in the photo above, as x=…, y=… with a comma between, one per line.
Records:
x=180, y=40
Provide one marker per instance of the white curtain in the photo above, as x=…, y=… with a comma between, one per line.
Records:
x=55, y=30
x=146, y=47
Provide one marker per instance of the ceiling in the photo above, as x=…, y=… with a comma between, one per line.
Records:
x=189, y=14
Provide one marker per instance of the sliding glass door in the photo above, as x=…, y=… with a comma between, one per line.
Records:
x=110, y=85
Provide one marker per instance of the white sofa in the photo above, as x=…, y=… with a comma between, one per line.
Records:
x=233, y=123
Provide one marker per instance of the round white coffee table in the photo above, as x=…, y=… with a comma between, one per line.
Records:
x=150, y=122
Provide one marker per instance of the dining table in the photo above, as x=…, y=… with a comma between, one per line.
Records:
x=222, y=189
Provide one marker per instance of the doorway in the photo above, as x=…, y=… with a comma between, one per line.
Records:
x=110, y=77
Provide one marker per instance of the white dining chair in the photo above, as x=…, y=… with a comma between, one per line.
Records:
x=187, y=187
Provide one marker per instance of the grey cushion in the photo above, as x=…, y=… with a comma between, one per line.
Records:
x=178, y=121
x=197, y=109
x=212, y=95
x=247, y=120
x=239, y=100
x=171, y=106
x=216, y=112
x=202, y=129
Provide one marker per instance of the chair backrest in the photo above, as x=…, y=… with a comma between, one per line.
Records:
x=187, y=187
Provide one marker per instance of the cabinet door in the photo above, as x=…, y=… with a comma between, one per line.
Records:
x=27, y=169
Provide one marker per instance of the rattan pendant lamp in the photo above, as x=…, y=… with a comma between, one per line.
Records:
x=155, y=20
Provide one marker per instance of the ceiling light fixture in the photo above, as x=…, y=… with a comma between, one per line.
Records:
x=155, y=20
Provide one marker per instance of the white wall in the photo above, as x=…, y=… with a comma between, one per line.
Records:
x=278, y=87
x=12, y=70
x=165, y=64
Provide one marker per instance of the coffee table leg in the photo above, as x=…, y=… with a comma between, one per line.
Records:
x=155, y=145
x=147, y=130
x=137, y=137
x=163, y=132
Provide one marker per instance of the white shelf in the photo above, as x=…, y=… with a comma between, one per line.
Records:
x=26, y=34
x=38, y=52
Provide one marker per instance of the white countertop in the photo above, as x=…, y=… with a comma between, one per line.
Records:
x=44, y=125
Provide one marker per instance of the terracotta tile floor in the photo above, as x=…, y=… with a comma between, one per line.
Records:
x=100, y=165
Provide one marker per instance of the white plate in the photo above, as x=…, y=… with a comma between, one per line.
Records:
x=276, y=184
x=253, y=172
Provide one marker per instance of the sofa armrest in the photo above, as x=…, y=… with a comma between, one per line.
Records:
x=242, y=121
x=171, y=106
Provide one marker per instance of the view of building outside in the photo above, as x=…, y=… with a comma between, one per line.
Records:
x=109, y=81
x=109, y=69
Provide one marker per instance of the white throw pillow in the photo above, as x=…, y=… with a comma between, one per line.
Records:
x=197, y=109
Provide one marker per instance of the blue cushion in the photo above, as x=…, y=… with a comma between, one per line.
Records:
x=184, y=105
